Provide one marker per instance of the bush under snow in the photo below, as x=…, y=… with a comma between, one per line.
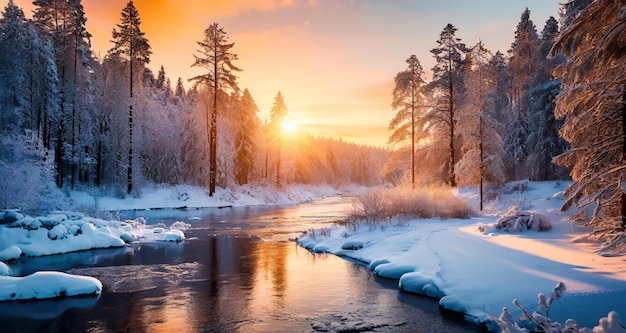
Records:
x=518, y=220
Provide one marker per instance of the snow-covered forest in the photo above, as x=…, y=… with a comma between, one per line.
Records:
x=547, y=108
x=552, y=108
x=70, y=120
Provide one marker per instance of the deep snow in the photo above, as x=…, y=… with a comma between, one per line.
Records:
x=476, y=269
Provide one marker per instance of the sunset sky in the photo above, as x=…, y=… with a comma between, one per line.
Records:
x=333, y=60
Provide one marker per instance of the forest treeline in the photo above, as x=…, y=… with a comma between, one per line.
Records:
x=72, y=120
x=552, y=107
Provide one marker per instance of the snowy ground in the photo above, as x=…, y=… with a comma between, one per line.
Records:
x=476, y=269
x=63, y=232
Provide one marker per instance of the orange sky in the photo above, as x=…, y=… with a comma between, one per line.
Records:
x=333, y=60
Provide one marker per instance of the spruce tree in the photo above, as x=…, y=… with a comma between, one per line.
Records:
x=543, y=141
x=523, y=64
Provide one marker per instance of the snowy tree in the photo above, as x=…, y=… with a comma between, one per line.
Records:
x=568, y=10
x=543, y=141
x=523, y=63
x=180, y=89
x=215, y=56
x=277, y=116
x=447, y=86
x=65, y=21
x=593, y=103
x=29, y=103
x=481, y=149
x=409, y=102
x=130, y=45
x=247, y=127
x=160, y=80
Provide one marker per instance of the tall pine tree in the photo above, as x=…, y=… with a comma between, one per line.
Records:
x=216, y=58
x=409, y=101
x=130, y=46
x=447, y=84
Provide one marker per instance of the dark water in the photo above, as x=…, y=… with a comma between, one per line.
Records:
x=236, y=272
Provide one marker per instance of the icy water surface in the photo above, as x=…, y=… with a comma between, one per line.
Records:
x=236, y=272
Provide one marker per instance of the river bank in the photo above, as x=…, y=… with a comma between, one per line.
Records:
x=473, y=268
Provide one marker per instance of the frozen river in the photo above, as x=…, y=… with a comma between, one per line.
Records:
x=236, y=272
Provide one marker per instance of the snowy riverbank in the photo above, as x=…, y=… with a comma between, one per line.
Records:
x=476, y=269
x=186, y=196
x=63, y=232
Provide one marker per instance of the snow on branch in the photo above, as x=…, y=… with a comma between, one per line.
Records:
x=541, y=322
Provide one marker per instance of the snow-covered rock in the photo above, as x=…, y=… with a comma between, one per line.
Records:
x=42, y=285
x=4, y=269
x=173, y=236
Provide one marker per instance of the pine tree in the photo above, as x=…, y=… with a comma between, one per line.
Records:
x=277, y=116
x=130, y=45
x=448, y=86
x=215, y=56
x=408, y=99
x=593, y=102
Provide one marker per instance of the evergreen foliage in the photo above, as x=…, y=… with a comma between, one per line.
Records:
x=593, y=104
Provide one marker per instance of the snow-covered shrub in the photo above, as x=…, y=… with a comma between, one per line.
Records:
x=541, y=322
x=59, y=231
x=518, y=220
x=371, y=206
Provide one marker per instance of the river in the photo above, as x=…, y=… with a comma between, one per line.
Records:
x=236, y=272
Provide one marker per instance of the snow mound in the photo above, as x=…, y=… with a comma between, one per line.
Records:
x=4, y=269
x=10, y=253
x=63, y=232
x=42, y=285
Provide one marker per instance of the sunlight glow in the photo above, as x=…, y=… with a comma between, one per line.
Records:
x=289, y=127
